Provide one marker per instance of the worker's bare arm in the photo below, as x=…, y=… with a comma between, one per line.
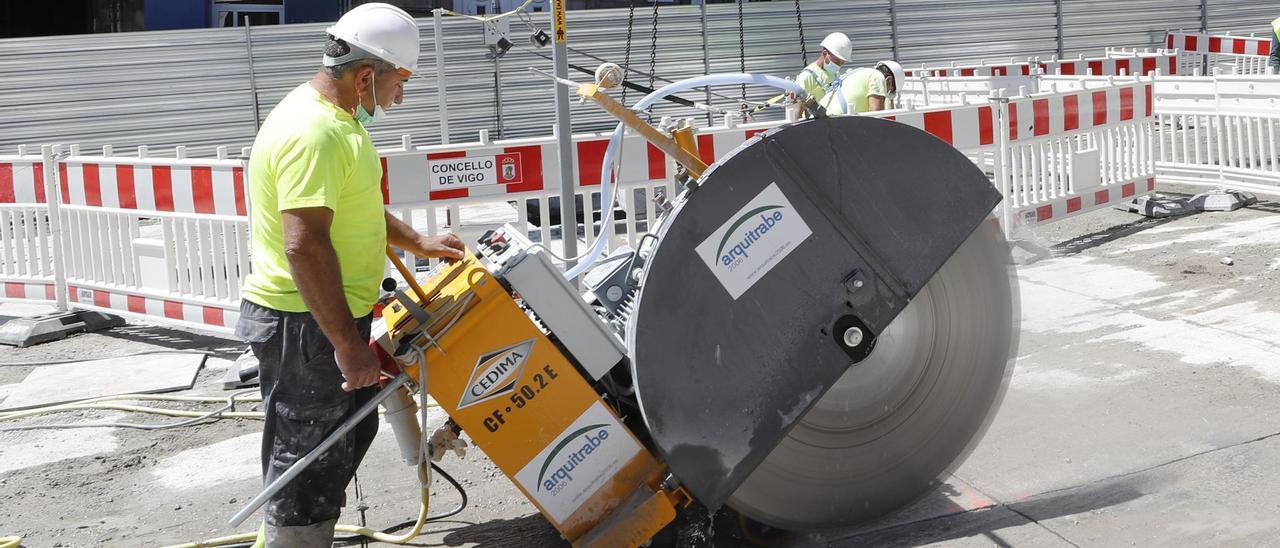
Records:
x=314, y=264
x=875, y=103
x=403, y=236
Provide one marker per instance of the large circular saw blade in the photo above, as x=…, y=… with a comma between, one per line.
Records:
x=899, y=421
x=794, y=253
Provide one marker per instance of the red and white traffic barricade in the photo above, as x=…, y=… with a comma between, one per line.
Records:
x=165, y=239
x=27, y=266
x=1080, y=149
x=459, y=184
x=1071, y=152
x=1115, y=63
x=1203, y=53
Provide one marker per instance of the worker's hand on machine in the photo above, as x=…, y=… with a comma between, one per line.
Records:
x=359, y=365
x=445, y=439
x=445, y=246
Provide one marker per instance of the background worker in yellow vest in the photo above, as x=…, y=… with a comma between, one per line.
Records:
x=815, y=78
x=319, y=235
x=1275, y=46
x=865, y=90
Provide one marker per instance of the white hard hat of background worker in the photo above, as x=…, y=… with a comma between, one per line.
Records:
x=381, y=33
x=894, y=77
x=838, y=48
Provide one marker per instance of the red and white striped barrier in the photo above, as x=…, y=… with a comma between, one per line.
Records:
x=22, y=180
x=155, y=185
x=167, y=239
x=1133, y=64
x=162, y=239
x=1204, y=43
x=436, y=174
x=1074, y=152
x=26, y=259
x=213, y=316
x=1204, y=53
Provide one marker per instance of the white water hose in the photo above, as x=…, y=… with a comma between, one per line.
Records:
x=615, y=142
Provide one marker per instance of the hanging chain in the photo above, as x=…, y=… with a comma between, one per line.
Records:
x=804, y=53
x=653, y=53
x=742, y=50
x=626, y=59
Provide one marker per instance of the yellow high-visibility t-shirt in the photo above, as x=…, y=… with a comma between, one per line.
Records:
x=310, y=153
x=815, y=79
x=856, y=89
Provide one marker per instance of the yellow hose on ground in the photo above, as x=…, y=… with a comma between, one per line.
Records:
x=424, y=480
x=10, y=542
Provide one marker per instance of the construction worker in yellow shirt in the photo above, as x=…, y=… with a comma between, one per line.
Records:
x=815, y=78
x=865, y=90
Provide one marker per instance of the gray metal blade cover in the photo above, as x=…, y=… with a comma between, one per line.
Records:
x=733, y=336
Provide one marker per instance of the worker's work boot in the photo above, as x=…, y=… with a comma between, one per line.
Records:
x=301, y=536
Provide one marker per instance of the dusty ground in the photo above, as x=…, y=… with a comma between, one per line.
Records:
x=1143, y=411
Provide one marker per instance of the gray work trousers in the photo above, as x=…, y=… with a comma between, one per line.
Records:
x=304, y=402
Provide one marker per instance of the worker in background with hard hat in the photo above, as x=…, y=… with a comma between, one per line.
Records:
x=815, y=78
x=1274, y=62
x=866, y=90
x=319, y=235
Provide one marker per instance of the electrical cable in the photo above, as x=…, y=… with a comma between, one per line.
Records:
x=627, y=84
x=627, y=69
x=247, y=540
x=219, y=413
x=486, y=19
x=60, y=362
x=104, y=404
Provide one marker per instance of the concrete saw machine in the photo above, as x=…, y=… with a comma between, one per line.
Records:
x=816, y=329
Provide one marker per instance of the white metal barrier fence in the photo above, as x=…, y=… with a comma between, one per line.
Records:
x=27, y=269
x=1220, y=132
x=162, y=238
x=1116, y=62
x=167, y=239
x=1203, y=53
x=1084, y=145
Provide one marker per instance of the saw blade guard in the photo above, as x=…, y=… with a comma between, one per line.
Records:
x=787, y=264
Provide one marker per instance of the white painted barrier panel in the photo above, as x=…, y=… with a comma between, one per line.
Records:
x=160, y=238
x=1114, y=63
x=26, y=257
x=167, y=239
x=1205, y=53
x=1073, y=152
x=1220, y=132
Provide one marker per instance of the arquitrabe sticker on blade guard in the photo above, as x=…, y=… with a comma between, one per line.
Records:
x=578, y=462
x=754, y=240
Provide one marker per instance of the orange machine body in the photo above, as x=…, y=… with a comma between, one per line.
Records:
x=526, y=405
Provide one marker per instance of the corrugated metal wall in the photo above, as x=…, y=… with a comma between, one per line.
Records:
x=193, y=87
x=1089, y=26
x=1242, y=16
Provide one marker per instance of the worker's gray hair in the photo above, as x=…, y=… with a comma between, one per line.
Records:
x=341, y=58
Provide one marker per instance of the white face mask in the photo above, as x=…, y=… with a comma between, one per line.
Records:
x=832, y=67
x=379, y=113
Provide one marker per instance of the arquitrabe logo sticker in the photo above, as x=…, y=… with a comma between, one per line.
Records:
x=754, y=240
x=576, y=448
x=496, y=373
x=578, y=462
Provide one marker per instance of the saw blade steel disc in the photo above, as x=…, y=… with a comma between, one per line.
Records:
x=906, y=416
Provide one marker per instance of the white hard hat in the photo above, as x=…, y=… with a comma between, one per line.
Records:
x=383, y=30
x=899, y=75
x=839, y=45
